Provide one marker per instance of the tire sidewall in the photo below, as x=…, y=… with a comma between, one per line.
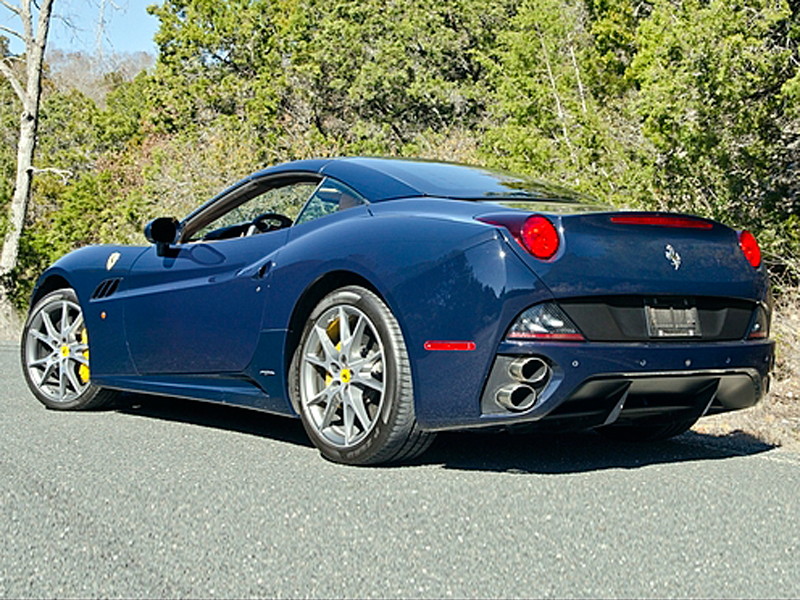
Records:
x=395, y=361
x=89, y=393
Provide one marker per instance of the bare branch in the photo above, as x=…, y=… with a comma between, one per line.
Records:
x=43, y=26
x=27, y=22
x=11, y=7
x=13, y=32
x=8, y=73
x=578, y=77
x=65, y=174
x=559, y=108
x=101, y=23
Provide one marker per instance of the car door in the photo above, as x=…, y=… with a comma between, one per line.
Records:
x=198, y=309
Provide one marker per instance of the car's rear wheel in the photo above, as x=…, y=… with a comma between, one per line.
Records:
x=55, y=355
x=351, y=380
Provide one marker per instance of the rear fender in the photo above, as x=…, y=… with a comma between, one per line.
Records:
x=443, y=281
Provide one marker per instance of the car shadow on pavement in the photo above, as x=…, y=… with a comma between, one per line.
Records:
x=548, y=453
x=217, y=416
x=528, y=453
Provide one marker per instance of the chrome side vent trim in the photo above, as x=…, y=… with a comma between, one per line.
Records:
x=106, y=288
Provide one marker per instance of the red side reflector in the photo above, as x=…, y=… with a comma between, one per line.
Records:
x=749, y=245
x=662, y=221
x=452, y=346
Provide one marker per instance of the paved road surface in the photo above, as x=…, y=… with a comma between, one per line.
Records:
x=165, y=498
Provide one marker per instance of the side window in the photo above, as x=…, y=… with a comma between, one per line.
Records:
x=330, y=197
x=285, y=200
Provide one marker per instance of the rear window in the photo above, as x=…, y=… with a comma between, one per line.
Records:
x=462, y=182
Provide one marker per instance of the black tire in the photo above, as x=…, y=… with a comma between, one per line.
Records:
x=55, y=355
x=649, y=432
x=364, y=415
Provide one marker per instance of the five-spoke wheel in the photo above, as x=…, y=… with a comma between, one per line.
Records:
x=341, y=375
x=55, y=354
x=352, y=381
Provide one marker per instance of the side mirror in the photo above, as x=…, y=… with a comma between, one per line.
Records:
x=162, y=232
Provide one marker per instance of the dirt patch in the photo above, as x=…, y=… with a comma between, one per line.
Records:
x=776, y=419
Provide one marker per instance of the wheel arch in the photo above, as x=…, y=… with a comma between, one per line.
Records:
x=52, y=283
x=312, y=295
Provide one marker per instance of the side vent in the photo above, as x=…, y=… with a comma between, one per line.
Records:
x=106, y=288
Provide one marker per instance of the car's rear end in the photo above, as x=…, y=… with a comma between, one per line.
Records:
x=570, y=314
x=655, y=320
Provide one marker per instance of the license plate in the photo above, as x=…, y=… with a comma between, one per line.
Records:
x=670, y=321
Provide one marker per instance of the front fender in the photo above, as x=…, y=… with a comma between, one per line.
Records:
x=84, y=270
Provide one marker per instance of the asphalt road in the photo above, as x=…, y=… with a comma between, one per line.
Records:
x=166, y=498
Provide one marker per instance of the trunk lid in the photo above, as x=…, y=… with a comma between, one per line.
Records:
x=643, y=254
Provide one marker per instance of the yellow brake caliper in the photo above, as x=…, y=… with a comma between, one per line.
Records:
x=333, y=333
x=83, y=370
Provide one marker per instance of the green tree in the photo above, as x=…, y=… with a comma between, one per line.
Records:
x=714, y=81
x=548, y=118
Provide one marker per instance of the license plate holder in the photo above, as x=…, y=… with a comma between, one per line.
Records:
x=669, y=321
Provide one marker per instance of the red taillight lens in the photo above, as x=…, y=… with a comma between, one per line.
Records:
x=749, y=245
x=535, y=233
x=539, y=237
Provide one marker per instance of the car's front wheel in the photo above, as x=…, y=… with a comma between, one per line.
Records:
x=351, y=380
x=55, y=354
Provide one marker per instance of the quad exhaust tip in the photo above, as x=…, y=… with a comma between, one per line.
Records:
x=529, y=370
x=521, y=395
x=516, y=397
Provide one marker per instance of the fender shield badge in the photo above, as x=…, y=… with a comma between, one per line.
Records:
x=112, y=260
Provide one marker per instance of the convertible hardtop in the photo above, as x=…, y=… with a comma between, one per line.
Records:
x=386, y=179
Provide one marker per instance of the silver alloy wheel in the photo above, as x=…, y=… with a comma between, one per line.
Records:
x=342, y=376
x=55, y=351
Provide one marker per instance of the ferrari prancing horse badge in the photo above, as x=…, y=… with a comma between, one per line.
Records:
x=112, y=260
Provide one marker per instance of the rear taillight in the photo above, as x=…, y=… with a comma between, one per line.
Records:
x=535, y=233
x=749, y=245
x=539, y=237
x=759, y=330
x=544, y=322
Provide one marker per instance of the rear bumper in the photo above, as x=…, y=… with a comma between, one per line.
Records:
x=592, y=384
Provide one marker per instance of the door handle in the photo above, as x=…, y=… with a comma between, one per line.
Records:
x=256, y=271
x=263, y=270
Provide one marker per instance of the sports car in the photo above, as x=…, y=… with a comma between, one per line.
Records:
x=381, y=301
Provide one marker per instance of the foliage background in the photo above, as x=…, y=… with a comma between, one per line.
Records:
x=686, y=105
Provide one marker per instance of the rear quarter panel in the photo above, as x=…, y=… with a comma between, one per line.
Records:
x=443, y=279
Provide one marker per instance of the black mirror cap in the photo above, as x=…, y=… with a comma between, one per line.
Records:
x=163, y=230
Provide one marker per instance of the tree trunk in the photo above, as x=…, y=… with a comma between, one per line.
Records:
x=34, y=34
x=22, y=193
x=10, y=321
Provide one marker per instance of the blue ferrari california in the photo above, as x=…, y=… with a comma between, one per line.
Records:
x=381, y=301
